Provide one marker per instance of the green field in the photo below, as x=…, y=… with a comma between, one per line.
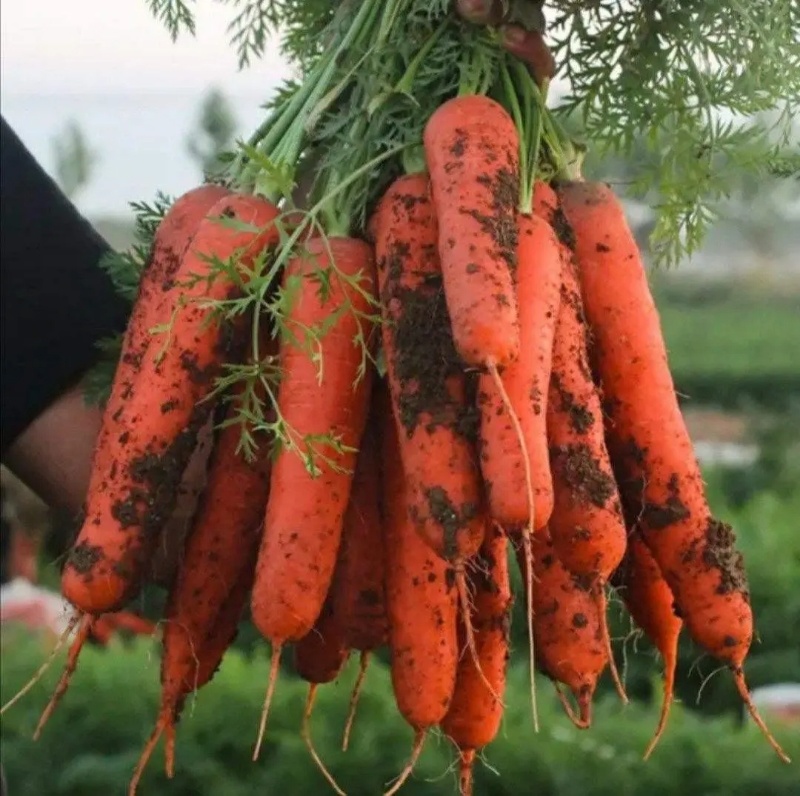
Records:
x=727, y=346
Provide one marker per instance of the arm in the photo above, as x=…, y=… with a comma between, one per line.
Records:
x=56, y=304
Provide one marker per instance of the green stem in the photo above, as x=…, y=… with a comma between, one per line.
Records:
x=283, y=139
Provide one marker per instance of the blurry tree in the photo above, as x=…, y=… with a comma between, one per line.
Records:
x=75, y=159
x=214, y=135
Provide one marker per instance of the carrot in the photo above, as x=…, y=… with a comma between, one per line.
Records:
x=153, y=305
x=152, y=418
x=323, y=404
x=435, y=422
x=318, y=658
x=649, y=601
x=358, y=593
x=472, y=152
x=221, y=547
x=475, y=712
x=587, y=527
x=155, y=418
x=568, y=635
x=650, y=445
x=208, y=656
x=525, y=381
x=422, y=606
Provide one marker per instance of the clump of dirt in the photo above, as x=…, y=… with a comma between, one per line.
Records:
x=661, y=515
x=451, y=517
x=583, y=474
x=580, y=418
x=426, y=358
x=501, y=223
x=721, y=554
x=84, y=556
x=563, y=228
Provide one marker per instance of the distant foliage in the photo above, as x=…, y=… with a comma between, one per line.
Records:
x=75, y=159
x=214, y=134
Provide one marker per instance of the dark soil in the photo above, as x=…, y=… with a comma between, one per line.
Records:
x=657, y=516
x=583, y=474
x=721, y=554
x=452, y=518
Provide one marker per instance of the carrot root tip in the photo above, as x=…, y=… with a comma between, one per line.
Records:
x=354, y=697
x=305, y=732
x=274, y=670
x=744, y=693
x=416, y=751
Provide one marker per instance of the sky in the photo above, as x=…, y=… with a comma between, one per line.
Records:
x=115, y=46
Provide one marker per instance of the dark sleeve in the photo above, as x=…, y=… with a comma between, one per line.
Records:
x=56, y=301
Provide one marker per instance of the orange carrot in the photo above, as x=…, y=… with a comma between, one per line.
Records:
x=649, y=601
x=322, y=401
x=569, y=639
x=472, y=151
x=525, y=381
x=475, y=712
x=422, y=607
x=155, y=417
x=649, y=443
x=435, y=423
x=208, y=656
x=221, y=547
x=358, y=593
x=587, y=528
x=154, y=303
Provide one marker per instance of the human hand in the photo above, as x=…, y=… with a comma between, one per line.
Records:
x=521, y=25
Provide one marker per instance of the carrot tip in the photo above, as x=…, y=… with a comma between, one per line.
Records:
x=466, y=762
x=744, y=693
x=416, y=751
x=86, y=623
x=612, y=664
x=582, y=721
x=147, y=752
x=305, y=732
x=273, y=678
x=354, y=697
x=44, y=667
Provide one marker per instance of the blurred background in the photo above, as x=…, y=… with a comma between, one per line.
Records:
x=116, y=112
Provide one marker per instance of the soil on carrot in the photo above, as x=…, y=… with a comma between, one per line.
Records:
x=583, y=474
x=157, y=477
x=452, y=518
x=661, y=515
x=721, y=554
x=580, y=418
x=426, y=356
x=501, y=223
x=563, y=228
x=83, y=557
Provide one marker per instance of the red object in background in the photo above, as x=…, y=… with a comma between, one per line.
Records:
x=24, y=556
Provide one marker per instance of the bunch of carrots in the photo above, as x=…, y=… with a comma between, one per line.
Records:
x=477, y=378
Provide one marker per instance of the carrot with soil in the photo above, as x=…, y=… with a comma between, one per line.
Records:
x=475, y=713
x=322, y=403
x=569, y=639
x=208, y=656
x=435, y=420
x=130, y=499
x=151, y=421
x=358, y=592
x=651, y=450
x=471, y=148
x=422, y=605
x=220, y=550
x=587, y=527
x=649, y=601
